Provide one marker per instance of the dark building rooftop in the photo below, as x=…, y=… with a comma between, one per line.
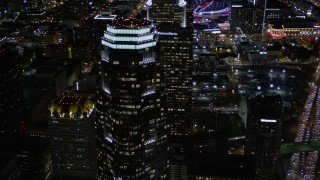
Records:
x=223, y=166
x=168, y=27
x=273, y=4
x=19, y=144
x=266, y=106
x=49, y=69
x=5, y=158
x=174, y=28
x=8, y=165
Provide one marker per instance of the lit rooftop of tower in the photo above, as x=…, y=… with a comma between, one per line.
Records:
x=130, y=23
x=73, y=107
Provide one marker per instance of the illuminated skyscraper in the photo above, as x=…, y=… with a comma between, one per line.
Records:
x=175, y=44
x=131, y=122
x=168, y=11
x=71, y=129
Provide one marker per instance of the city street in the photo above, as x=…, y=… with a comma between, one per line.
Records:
x=303, y=164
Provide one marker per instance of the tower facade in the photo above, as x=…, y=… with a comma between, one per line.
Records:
x=175, y=53
x=71, y=128
x=264, y=133
x=131, y=122
x=168, y=11
x=248, y=16
x=11, y=95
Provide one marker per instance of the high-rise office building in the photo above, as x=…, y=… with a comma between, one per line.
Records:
x=11, y=96
x=175, y=53
x=34, y=158
x=9, y=166
x=168, y=11
x=189, y=13
x=246, y=17
x=72, y=136
x=132, y=131
x=264, y=133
